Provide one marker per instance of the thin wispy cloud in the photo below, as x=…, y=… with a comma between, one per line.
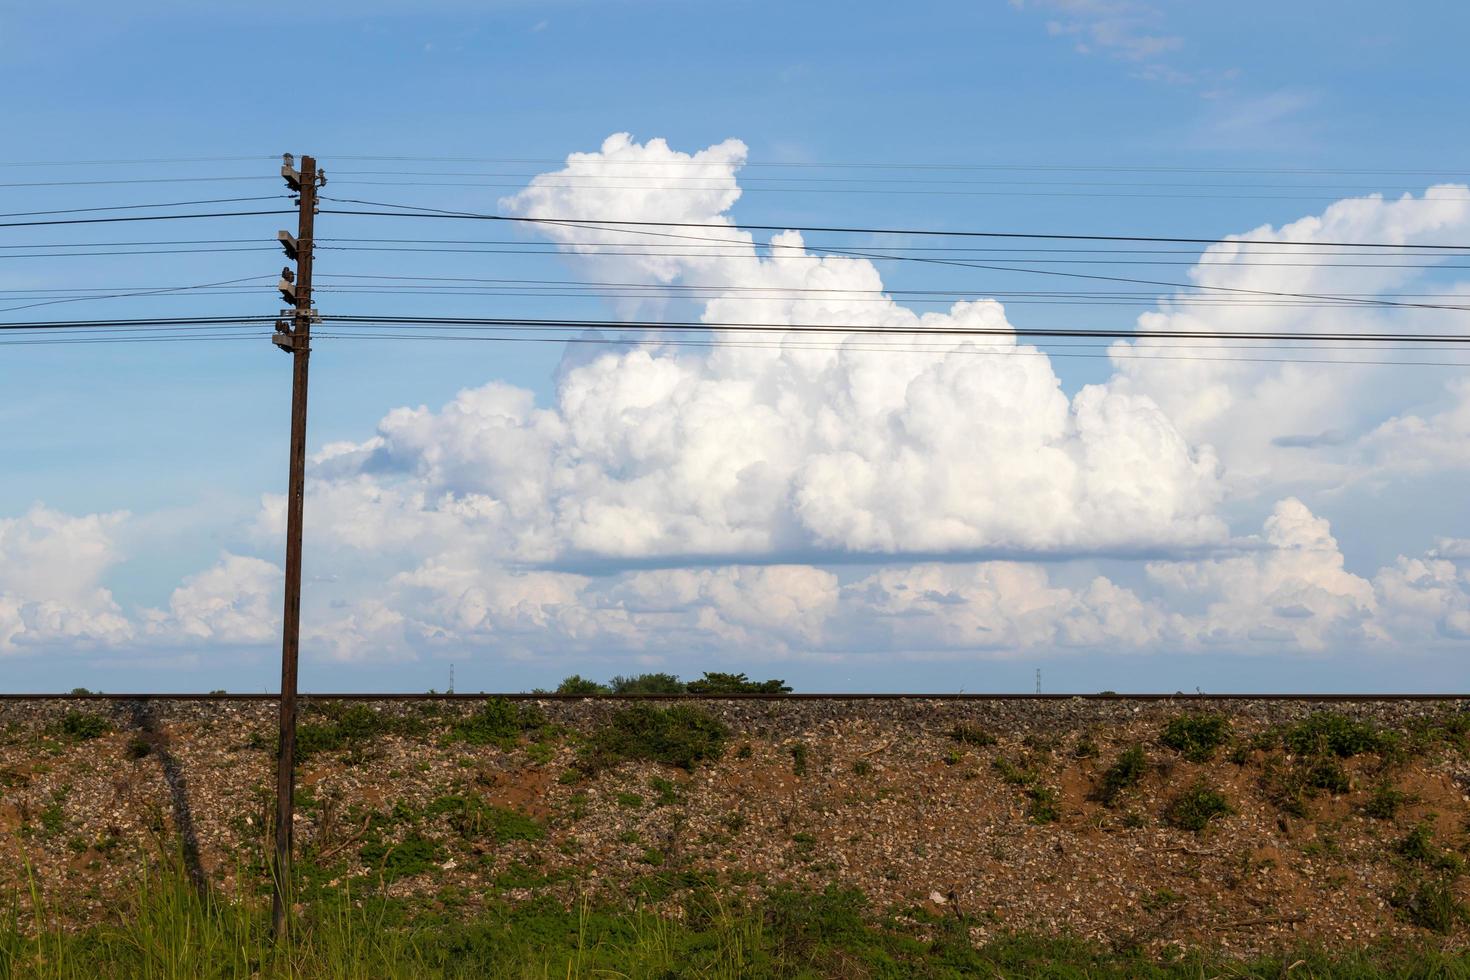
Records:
x=1121, y=29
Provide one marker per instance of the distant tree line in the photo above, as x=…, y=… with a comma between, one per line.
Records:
x=713, y=682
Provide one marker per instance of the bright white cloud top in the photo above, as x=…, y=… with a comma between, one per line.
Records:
x=799, y=496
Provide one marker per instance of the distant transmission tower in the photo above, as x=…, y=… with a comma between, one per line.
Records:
x=1038, y=680
x=451, y=678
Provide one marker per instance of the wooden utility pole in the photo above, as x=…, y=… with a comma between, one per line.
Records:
x=293, y=336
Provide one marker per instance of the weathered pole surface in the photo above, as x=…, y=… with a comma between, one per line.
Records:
x=300, y=348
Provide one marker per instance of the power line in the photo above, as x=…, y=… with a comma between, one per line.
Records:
x=991, y=352
x=849, y=165
x=421, y=211
x=136, y=207
x=150, y=217
x=132, y=180
x=875, y=191
x=124, y=295
x=879, y=330
x=137, y=322
x=136, y=162
x=746, y=179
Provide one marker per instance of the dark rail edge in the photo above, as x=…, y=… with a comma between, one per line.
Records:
x=524, y=696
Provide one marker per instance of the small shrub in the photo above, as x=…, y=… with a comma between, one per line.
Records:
x=1044, y=806
x=648, y=684
x=1384, y=802
x=668, y=793
x=1327, y=774
x=1162, y=899
x=83, y=726
x=577, y=684
x=682, y=736
x=349, y=726
x=734, y=822
x=653, y=856
x=139, y=747
x=1196, y=736
x=1085, y=747
x=1194, y=808
x=953, y=757
x=631, y=801
x=969, y=734
x=799, y=758
x=862, y=767
x=1121, y=775
x=1428, y=903
x=1418, y=847
x=53, y=818
x=715, y=683
x=1330, y=732
x=1011, y=773
x=497, y=722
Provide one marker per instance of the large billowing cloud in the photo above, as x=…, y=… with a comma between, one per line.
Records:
x=51, y=567
x=673, y=501
x=788, y=447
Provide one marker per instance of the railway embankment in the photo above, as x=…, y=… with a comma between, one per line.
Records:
x=1237, y=824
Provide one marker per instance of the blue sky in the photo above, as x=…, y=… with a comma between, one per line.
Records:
x=1258, y=110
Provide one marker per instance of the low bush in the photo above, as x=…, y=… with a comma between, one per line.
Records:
x=1429, y=903
x=1194, y=808
x=577, y=684
x=683, y=736
x=967, y=733
x=714, y=682
x=348, y=726
x=83, y=726
x=1327, y=774
x=1123, y=774
x=1196, y=736
x=1418, y=847
x=1333, y=733
x=648, y=684
x=1384, y=802
x=497, y=722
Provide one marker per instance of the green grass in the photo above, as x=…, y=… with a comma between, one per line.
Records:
x=413, y=855
x=1196, y=736
x=1429, y=903
x=170, y=930
x=472, y=818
